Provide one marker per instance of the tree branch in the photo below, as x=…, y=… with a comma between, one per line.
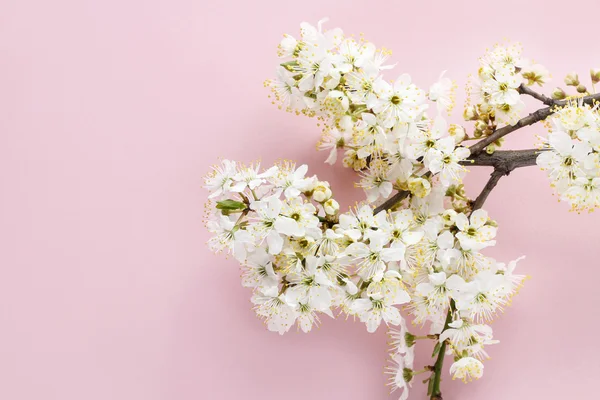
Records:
x=541, y=97
x=532, y=118
x=489, y=186
x=392, y=201
x=505, y=159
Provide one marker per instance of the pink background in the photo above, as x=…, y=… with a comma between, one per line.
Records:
x=110, y=114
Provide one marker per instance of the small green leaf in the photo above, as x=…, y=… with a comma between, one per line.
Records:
x=436, y=349
x=230, y=205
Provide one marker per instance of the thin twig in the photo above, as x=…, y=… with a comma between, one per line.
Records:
x=541, y=97
x=489, y=186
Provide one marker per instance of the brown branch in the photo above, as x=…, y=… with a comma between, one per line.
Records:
x=505, y=159
x=531, y=119
x=489, y=186
x=392, y=201
x=504, y=162
x=541, y=97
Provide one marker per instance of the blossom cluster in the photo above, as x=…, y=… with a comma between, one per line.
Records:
x=303, y=259
x=572, y=156
x=502, y=71
x=382, y=126
x=421, y=258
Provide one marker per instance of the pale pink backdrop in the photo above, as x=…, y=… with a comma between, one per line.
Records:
x=111, y=112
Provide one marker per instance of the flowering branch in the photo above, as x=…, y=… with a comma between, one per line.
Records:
x=303, y=259
x=531, y=119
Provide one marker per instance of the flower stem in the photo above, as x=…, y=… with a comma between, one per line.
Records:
x=436, y=376
x=426, y=337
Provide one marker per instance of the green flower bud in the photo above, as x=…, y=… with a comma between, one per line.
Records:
x=595, y=75
x=572, y=79
x=558, y=94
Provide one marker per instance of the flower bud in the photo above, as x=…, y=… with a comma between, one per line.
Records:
x=448, y=217
x=331, y=207
x=481, y=126
x=458, y=132
x=470, y=113
x=595, y=75
x=572, y=79
x=419, y=187
x=581, y=89
x=558, y=94
x=485, y=108
x=321, y=192
x=490, y=149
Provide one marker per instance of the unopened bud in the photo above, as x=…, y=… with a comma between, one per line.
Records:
x=595, y=75
x=419, y=187
x=581, y=89
x=481, y=126
x=470, y=113
x=448, y=217
x=321, y=192
x=558, y=94
x=331, y=207
x=572, y=79
x=458, y=132
x=490, y=149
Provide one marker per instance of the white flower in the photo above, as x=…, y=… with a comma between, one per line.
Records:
x=356, y=222
x=502, y=89
x=400, y=372
x=466, y=369
x=228, y=235
x=435, y=290
x=310, y=286
x=376, y=181
x=267, y=212
x=371, y=258
x=286, y=92
x=360, y=87
x=297, y=218
x=219, y=180
x=482, y=297
x=442, y=92
x=354, y=54
x=424, y=143
x=584, y=193
x=258, y=271
x=279, y=315
x=535, y=73
x=463, y=335
x=445, y=159
x=291, y=180
x=509, y=113
x=372, y=311
x=401, y=101
x=335, y=139
x=474, y=233
x=249, y=177
x=399, y=228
